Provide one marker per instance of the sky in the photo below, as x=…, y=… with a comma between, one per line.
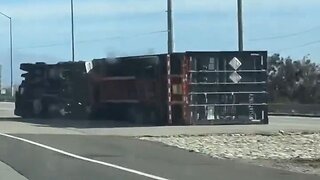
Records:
x=104, y=28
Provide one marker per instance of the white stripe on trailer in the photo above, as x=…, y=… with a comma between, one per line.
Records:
x=255, y=120
x=186, y=80
x=255, y=54
x=169, y=89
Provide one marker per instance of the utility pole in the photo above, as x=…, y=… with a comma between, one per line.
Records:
x=11, y=53
x=170, y=28
x=72, y=33
x=240, y=26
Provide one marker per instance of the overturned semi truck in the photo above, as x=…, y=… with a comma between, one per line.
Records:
x=180, y=89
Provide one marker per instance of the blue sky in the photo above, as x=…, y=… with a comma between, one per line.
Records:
x=130, y=27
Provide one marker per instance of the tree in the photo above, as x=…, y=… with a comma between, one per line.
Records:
x=293, y=81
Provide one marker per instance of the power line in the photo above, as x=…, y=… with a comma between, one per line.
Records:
x=44, y=46
x=299, y=46
x=285, y=36
x=123, y=37
x=95, y=40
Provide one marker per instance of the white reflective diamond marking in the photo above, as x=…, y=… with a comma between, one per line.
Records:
x=235, y=63
x=235, y=77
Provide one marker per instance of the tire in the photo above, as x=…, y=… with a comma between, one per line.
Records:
x=79, y=112
x=39, y=108
x=94, y=112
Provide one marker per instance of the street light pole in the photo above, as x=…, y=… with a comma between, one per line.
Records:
x=72, y=32
x=11, y=53
x=11, y=60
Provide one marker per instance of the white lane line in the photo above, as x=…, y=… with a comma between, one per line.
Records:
x=84, y=158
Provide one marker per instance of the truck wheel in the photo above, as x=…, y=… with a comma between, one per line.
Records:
x=89, y=112
x=94, y=112
x=38, y=108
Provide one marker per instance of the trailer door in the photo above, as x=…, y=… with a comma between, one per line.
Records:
x=227, y=87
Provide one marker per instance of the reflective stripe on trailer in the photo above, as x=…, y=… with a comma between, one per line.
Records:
x=169, y=89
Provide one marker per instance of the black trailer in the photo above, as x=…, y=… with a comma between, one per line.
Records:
x=181, y=88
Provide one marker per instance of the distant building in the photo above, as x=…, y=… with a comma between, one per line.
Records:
x=3, y=92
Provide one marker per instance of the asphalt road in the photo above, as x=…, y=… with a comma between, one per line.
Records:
x=38, y=163
x=60, y=149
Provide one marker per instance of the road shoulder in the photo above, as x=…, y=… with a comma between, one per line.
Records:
x=7, y=172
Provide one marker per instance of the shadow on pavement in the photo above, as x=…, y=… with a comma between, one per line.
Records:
x=75, y=123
